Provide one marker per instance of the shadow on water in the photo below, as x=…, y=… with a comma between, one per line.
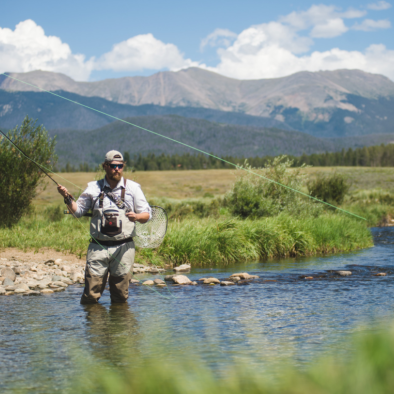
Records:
x=280, y=315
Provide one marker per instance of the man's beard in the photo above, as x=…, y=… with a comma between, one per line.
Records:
x=115, y=177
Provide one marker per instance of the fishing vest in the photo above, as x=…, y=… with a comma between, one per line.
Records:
x=110, y=224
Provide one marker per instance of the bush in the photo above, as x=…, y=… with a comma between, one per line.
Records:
x=54, y=213
x=254, y=197
x=20, y=177
x=329, y=188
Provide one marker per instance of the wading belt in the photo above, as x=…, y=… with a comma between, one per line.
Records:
x=111, y=243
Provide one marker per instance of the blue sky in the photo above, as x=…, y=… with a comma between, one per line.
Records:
x=90, y=40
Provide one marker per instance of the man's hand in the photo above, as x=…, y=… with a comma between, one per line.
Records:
x=138, y=217
x=62, y=190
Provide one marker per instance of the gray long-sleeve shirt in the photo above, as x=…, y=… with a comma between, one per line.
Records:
x=134, y=198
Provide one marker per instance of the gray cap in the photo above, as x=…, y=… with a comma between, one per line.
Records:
x=113, y=155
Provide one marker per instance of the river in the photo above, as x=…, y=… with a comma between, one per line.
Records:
x=280, y=316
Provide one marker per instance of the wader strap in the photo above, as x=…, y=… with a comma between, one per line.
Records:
x=101, y=199
x=123, y=192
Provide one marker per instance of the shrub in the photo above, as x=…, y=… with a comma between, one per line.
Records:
x=329, y=188
x=253, y=196
x=54, y=213
x=20, y=177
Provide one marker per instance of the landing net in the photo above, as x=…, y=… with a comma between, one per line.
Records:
x=151, y=234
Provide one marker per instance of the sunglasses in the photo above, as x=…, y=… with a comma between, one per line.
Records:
x=113, y=166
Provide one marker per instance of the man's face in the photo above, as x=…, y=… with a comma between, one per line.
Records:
x=113, y=171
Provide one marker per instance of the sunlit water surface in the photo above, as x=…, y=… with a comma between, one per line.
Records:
x=282, y=315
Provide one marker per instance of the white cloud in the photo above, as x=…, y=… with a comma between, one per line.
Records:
x=273, y=61
x=370, y=25
x=27, y=48
x=143, y=52
x=379, y=6
x=331, y=28
x=219, y=37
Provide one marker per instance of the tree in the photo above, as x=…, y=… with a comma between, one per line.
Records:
x=19, y=177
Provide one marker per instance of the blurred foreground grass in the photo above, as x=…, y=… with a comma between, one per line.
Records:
x=367, y=370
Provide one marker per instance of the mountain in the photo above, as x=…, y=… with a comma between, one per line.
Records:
x=56, y=113
x=77, y=146
x=325, y=103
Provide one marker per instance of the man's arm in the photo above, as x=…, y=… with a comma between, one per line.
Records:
x=64, y=192
x=84, y=201
x=142, y=217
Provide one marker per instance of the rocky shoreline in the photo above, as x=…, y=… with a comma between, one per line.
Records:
x=52, y=276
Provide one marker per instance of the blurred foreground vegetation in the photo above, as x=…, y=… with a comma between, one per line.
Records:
x=367, y=370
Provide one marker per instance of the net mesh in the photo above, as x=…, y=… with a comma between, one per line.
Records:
x=151, y=234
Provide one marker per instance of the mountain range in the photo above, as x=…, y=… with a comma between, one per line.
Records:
x=324, y=104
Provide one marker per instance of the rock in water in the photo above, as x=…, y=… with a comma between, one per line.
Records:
x=344, y=273
x=2, y=291
x=183, y=268
x=181, y=280
x=227, y=283
x=19, y=290
x=23, y=286
x=148, y=283
x=159, y=282
x=208, y=281
x=244, y=275
x=46, y=291
x=380, y=274
x=8, y=273
x=168, y=278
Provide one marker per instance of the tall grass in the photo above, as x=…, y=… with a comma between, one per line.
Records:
x=207, y=241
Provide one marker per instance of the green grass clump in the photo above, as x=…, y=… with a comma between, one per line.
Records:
x=213, y=242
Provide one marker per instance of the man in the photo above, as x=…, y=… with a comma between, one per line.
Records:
x=116, y=205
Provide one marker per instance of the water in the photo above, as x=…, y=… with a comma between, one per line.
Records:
x=282, y=315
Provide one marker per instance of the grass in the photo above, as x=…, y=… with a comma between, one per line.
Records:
x=207, y=241
x=197, y=183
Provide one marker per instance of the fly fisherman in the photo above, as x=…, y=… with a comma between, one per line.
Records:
x=116, y=205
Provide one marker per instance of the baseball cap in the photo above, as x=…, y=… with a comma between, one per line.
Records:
x=113, y=155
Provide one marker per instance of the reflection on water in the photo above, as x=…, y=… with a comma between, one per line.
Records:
x=280, y=315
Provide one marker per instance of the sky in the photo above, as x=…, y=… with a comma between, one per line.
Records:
x=95, y=40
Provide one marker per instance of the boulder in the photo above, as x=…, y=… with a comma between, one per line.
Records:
x=208, y=281
x=168, y=278
x=134, y=281
x=159, y=282
x=58, y=261
x=57, y=278
x=181, y=280
x=344, y=273
x=161, y=285
x=18, y=291
x=76, y=276
x=153, y=270
x=8, y=282
x=227, y=283
x=148, y=283
x=8, y=273
x=380, y=274
x=2, y=290
x=234, y=279
x=183, y=268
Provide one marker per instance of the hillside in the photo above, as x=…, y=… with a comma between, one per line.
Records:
x=325, y=103
x=56, y=113
x=221, y=139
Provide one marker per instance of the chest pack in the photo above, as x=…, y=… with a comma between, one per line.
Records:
x=111, y=222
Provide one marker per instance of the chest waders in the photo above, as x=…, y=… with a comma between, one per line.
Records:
x=111, y=250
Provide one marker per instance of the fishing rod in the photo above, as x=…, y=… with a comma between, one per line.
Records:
x=34, y=162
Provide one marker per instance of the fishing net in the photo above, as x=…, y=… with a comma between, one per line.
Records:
x=151, y=234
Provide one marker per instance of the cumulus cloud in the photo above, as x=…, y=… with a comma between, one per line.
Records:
x=219, y=37
x=27, y=48
x=379, y=6
x=370, y=25
x=143, y=52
